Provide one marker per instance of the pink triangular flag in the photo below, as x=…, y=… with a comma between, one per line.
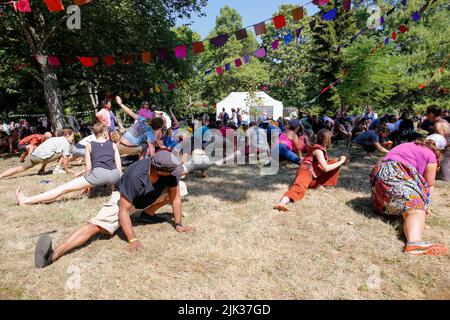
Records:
x=22, y=6
x=53, y=61
x=180, y=52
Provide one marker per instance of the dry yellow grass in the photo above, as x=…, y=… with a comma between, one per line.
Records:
x=331, y=246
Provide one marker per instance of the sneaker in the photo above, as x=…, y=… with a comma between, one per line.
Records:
x=43, y=252
x=151, y=219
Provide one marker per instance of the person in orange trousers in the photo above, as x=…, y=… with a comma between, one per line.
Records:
x=315, y=171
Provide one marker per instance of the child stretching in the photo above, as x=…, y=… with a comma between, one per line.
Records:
x=103, y=167
x=315, y=171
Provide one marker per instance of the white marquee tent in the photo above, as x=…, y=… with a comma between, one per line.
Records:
x=251, y=108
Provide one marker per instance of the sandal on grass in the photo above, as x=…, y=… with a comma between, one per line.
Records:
x=281, y=208
x=424, y=248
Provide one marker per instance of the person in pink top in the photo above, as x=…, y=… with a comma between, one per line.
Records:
x=402, y=185
x=106, y=116
x=289, y=147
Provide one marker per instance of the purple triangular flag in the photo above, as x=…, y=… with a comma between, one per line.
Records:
x=275, y=44
x=386, y=41
x=416, y=16
x=228, y=67
x=163, y=54
x=238, y=63
x=247, y=58
x=382, y=20
x=219, y=41
x=260, y=53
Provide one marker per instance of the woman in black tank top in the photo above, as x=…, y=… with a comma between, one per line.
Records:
x=103, y=167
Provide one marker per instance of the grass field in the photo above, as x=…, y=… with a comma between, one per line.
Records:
x=331, y=246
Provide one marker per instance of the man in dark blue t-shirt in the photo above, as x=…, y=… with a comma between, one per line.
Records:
x=147, y=185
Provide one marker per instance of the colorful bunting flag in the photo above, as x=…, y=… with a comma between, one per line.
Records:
x=88, y=61
x=275, y=44
x=403, y=28
x=260, y=53
x=416, y=16
x=53, y=61
x=382, y=20
x=247, y=59
x=394, y=35
x=404, y=2
x=198, y=47
x=180, y=51
x=260, y=28
x=157, y=89
x=287, y=38
x=163, y=54
x=109, y=60
x=297, y=14
x=238, y=63
x=146, y=57
x=22, y=6
x=320, y=2
x=330, y=15
x=170, y=86
x=208, y=71
x=81, y=2
x=219, y=41
x=241, y=34
x=386, y=41
x=228, y=67
x=219, y=70
x=279, y=22
x=347, y=5
x=128, y=59
x=54, y=5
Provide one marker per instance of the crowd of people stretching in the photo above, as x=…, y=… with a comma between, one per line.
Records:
x=415, y=150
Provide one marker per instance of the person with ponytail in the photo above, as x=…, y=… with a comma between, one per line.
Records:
x=402, y=185
x=316, y=171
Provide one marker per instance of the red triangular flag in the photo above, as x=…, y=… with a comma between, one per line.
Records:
x=88, y=61
x=403, y=28
x=54, y=5
x=146, y=57
x=279, y=22
x=198, y=47
x=22, y=6
x=394, y=35
x=80, y=2
x=109, y=60
x=347, y=5
x=127, y=59
x=53, y=61
x=219, y=70
x=238, y=63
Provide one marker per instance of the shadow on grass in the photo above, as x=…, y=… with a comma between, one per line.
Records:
x=363, y=206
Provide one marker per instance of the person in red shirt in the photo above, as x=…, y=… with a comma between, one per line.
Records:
x=28, y=144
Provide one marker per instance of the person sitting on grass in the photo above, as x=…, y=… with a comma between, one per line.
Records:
x=342, y=131
x=315, y=171
x=103, y=167
x=29, y=143
x=53, y=149
x=288, y=147
x=370, y=140
x=147, y=185
x=402, y=185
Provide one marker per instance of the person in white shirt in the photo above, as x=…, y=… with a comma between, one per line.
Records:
x=53, y=149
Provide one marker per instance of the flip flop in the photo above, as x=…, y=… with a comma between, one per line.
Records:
x=281, y=208
x=424, y=248
x=43, y=252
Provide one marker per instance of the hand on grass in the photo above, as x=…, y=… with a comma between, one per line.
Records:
x=135, y=246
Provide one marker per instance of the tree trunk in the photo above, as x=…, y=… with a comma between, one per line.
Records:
x=53, y=97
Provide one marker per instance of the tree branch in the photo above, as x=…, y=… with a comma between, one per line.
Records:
x=53, y=30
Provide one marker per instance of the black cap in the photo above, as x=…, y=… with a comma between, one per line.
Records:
x=166, y=162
